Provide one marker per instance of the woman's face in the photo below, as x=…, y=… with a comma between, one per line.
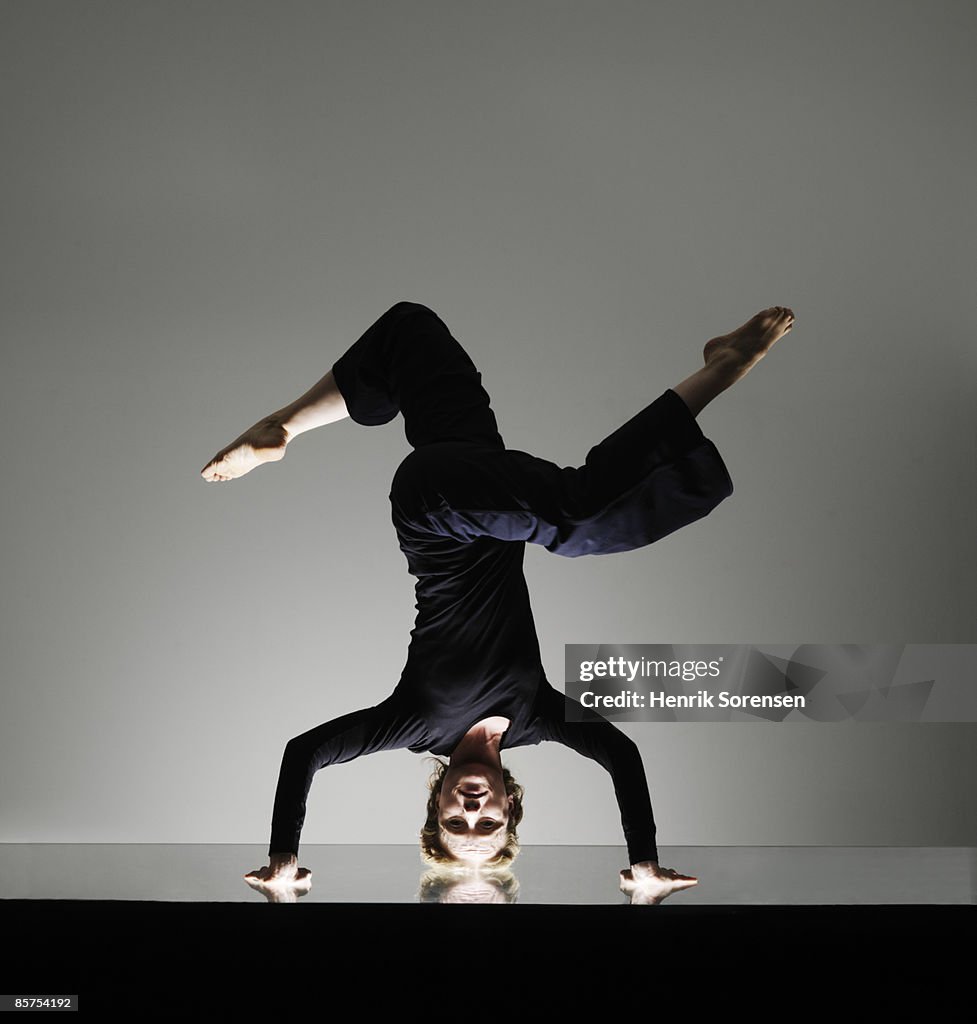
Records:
x=473, y=812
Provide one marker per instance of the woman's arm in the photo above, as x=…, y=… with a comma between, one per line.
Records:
x=645, y=881
x=384, y=727
x=618, y=754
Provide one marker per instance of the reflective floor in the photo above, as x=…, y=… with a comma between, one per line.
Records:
x=738, y=876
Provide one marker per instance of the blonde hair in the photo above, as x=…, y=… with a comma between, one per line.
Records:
x=432, y=849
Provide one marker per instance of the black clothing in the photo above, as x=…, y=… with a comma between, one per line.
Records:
x=464, y=506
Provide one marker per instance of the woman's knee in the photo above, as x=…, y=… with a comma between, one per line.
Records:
x=407, y=489
x=405, y=307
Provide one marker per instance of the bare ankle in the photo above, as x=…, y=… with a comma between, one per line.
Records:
x=698, y=390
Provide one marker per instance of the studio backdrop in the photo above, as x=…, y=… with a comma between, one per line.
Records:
x=205, y=204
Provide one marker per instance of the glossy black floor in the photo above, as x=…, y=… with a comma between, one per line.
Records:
x=174, y=931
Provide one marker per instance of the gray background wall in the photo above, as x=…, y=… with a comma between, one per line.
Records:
x=205, y=203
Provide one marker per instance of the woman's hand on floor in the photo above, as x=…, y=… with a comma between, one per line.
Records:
x=649, y=883
x=282, y=880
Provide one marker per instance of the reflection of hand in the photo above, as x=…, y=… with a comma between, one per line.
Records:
x=647, y=883
x=282, y=880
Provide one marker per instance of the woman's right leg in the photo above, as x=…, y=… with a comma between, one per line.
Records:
x=407, y=361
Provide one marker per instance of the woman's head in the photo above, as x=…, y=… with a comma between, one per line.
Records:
x=473, y=811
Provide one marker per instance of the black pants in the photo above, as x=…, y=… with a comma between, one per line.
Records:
x=651, y=476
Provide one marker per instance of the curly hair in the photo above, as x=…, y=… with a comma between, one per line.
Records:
x=432, y=849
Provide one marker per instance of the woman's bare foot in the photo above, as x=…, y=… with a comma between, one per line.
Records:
x=731, y=356
x=264, y=442
x=649, y=884
x=739, y=351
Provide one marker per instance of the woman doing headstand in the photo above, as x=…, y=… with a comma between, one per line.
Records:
x=464, y=507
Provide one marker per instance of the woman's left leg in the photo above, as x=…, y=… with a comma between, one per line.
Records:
x=653, y=475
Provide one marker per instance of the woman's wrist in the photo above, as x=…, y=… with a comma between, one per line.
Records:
x=645, y=867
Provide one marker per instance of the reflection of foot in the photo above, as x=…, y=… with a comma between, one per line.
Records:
x=740, y=350
x=651, y=888
x=264, y=442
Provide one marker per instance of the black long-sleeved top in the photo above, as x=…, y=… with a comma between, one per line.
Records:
x=492, y=669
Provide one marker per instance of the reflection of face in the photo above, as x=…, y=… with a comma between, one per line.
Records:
x=474, y=890
x=469, y=883
x=473, y=812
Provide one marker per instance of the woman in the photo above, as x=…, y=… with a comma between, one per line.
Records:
x=464, y=506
